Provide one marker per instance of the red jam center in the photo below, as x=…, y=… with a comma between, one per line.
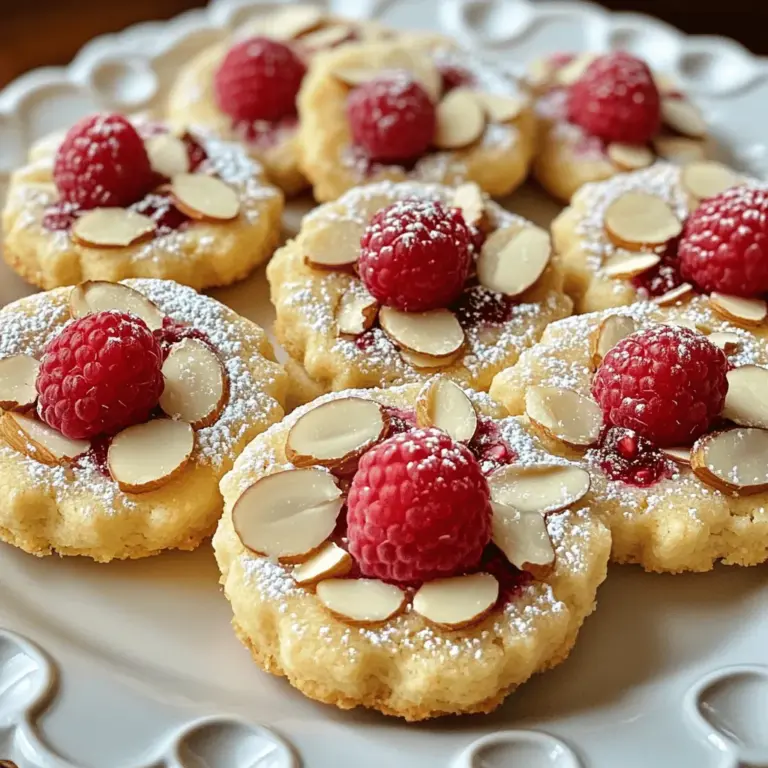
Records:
x=479, y=306
x=632, y=459
x=663, y=277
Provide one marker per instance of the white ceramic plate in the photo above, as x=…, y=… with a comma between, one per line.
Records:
x=140, y=668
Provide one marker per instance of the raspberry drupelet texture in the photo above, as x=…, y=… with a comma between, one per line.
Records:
x=100, y=375
x=666, y=383
x=616, y=99
x=725, y=243
x=258, y=79
x=415, y=255
x=102, y=162
x=392, y=119
x=418, y=509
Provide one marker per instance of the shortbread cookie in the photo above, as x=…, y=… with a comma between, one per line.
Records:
x=123, y=406
x=602, y=115
x=677, y=442
x=407, y=550
x=115, y=199
x=623, y=239
x=429, y=287
x=412, y=109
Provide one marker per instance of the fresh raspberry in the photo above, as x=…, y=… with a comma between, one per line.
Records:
x=102, y=162
x=616, y=99
x=258, y=80
x=725, y=243
x=99, y=375
x=667, y=384
x=415, y=255
x=392, y=119
x=418, y=509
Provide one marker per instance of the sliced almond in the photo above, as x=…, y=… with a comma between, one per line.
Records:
x=204, y=198
x=112, y=228
x=333, y=246
x=361, y=601
x=336, y=433
x=327, y=37
x=289, y=513
x=564, y=415
x=733, y=461
x=428, y=362
x=666, y=84
x=683, y=322
x=354, y=76
x=523, y=538
x=457, y=602
x=100, y=296
x=17, y=382
x=37, y=440
x=357, y=312
x=678, y=149
x=630, y=157
x=746, y=402
x=196, y=384
x=498, y=108
x=168, y=154
x=328, y=562
x=682, y=291
x=147, y=456
x=443, y=404
x=608, y=334
x=683, y=117
x=512, y=260
x=638, y=219
x=540, y=488
x=728, y=341
x=708, y=179
x=470, y=199
x=743, y=312
x=625, y=265
x=436, y=333
x=288, y=23
x=574, y=69
x=680, y=456
x=540, y=74
x=460, y=120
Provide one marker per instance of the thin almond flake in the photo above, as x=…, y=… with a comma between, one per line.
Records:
x=523, y=538
x=469, y=198
x=37, y=440
x=678, y=149
x=574, y=69
x=625, y=265
x=354, y=76
x=674, y=296
x=168, y=154
x=611, y=330
x=101, y=296
x=361, y=601
x=681, y=456
x=740, y=311
x=540, y=488
x=635, y=220
x=443, y=404
x=733, y=461
x=327, y=37
x=288, y=23
x=436, y=333
x=728, y=341
x=500, y=109
x=429, y=362
x=328, y=562
x=460, y=120
x=708, y=179
x=564, y=415
x=332, y=247
x=17, y=382
x=746, y=402
x=683, y=117
x=357, y=312
x=204, y=198
x=513, y=259
x=630, y=157
x=112, y=228
x=458, y=601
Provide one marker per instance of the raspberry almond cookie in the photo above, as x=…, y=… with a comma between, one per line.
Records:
x=116, y=198
x=605, y=114
x=121, y=407
x=412, y=109
x=393, y=282
x=245, y=89
x=666, y=407
x=408, y=550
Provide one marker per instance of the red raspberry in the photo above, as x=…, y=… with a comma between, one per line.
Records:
x=102, y=162
x=418, y=509
x=415, y=255
x=667, y=384
x=258, y=80
x=725, y=243
x=99, y=375
x=616, y=99
x=392, y=119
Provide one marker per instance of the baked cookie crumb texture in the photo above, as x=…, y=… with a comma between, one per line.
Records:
x=408, y=550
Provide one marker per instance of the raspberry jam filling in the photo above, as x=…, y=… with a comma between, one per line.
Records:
x=664, y=277
x=625, y=456
x=478, y=307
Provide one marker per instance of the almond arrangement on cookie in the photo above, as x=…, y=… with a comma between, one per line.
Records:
x=123, y=405
x=407, y=550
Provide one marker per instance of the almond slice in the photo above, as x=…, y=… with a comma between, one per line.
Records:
x=498, y=108
x=289, y=513
x=333, y=246
x=204, y=198
x=678, y=149
x=168, y=154
x=743, y=312
x=17, y=382
x=574, y=69
x=637, y=219
x=630, y=157
x=327, y=37
x=436, y=333
x=608, y=334
x=457, y=602
x=357, y=312
x=746, y=402
x=428, y=362
x=564, y=415
x=112, y=228
x=288, y=23
x=512, y=259
x=37, y=440
x=523, y=538
x=470, y=200
x=733, y=461
x=683, y=117
x=443, y=404
x=673, y=296
x=196, y=384
x=460, y=120
x=100, y=296
x=329, y=561
x=680, y=456
x=540, y=488
x=726, y=340
x=708, y=179
x=361, y=601
x=147, y=456
x=683, y=322
x=354, y=76
x=336, y=433
x=625, y=264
